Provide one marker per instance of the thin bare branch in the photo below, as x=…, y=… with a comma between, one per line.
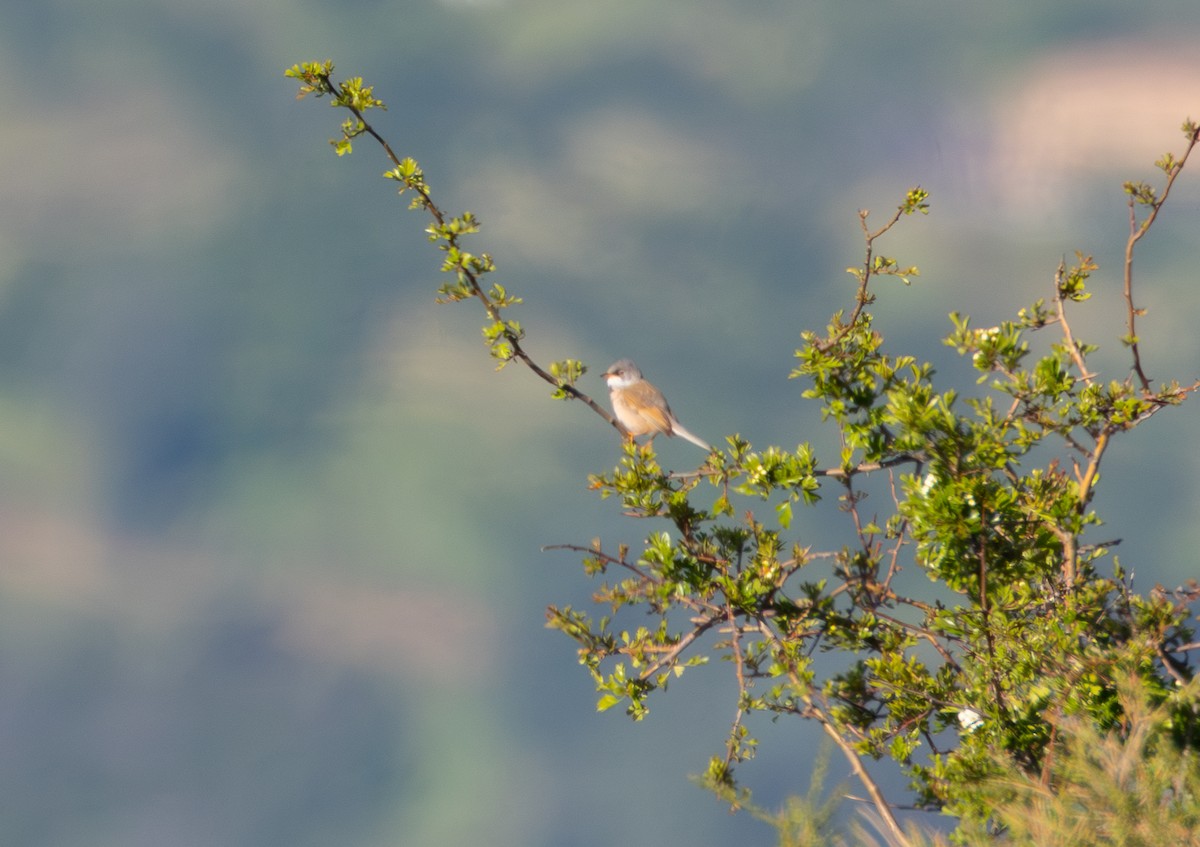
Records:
x=1136, y=232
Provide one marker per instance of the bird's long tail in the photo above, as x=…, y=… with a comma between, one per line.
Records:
x=676, y=429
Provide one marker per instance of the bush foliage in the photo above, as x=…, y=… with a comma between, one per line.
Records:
x=1024, y=676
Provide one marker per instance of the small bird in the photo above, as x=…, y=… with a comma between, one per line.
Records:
x=640, y=407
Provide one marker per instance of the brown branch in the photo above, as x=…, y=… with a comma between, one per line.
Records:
x=918, y=631
x=702, y=626
x=1076, y=354
x=472, y=279
x=739, y=664
x=877, y=799
x=1093, y=468
x=1172, y=666
x=608, y=558
x=901, y=534
x=1136, y=231
x=833, y=473
x=856, y=765
x=689, y=602
x=986, y=613
x=869, y=467
x=861, y=297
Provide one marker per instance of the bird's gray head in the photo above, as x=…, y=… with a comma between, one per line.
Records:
x=621, y=373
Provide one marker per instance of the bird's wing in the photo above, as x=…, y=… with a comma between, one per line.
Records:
x=649, y=403
x=660, y=419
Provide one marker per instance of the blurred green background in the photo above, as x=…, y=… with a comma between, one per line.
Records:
x=270, y=526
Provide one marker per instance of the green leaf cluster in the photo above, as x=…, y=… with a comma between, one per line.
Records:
x=990, y=498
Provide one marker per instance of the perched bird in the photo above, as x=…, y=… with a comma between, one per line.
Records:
x=640, y=407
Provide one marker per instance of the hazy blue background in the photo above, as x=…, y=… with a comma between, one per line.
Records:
x=270, y=524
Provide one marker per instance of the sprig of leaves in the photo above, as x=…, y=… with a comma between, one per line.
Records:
x=467, y=269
